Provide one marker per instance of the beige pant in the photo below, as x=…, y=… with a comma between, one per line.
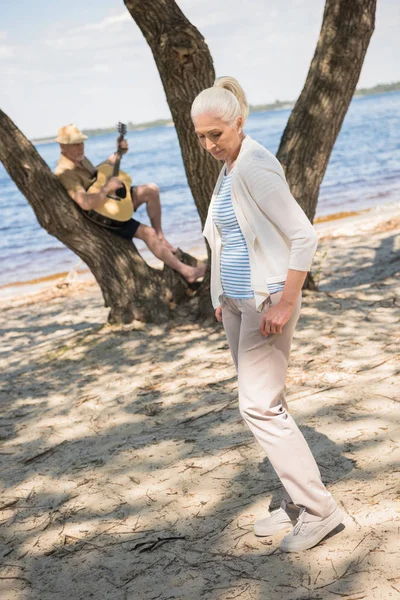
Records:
x=261, y=363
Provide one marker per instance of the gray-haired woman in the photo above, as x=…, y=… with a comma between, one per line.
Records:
x=262, y=246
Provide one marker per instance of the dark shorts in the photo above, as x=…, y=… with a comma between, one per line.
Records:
x=127, y=230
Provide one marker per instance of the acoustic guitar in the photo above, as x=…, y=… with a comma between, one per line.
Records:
x=118, y=205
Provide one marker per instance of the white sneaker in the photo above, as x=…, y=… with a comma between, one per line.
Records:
x=307, y=534
x=279, y=519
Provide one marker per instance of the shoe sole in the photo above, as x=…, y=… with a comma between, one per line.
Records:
x=333, y=521
x=271, y=531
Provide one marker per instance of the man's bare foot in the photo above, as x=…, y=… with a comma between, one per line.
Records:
x=167, y=244
x=192, y=274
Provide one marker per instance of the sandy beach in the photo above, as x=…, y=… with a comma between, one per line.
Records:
x=127, y=472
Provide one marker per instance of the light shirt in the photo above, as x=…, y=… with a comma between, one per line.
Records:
x=74, y=177
x=235, y=263
x=278, y=234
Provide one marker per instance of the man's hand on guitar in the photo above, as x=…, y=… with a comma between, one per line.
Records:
x=123, y=146
x=112, y=185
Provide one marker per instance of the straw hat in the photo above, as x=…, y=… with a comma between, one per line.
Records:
x=70, y=134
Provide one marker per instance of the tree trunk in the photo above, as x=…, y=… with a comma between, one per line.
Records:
x=131, y=288
x=318, y=114
x=186, y=68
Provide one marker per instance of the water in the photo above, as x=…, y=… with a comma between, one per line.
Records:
x=363, y=172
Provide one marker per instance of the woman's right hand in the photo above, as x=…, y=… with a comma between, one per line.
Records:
x=218, y=314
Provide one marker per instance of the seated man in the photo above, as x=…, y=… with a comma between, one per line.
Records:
x=77, y=174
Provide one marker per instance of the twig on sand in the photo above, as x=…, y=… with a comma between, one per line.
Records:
x=9, y=504
x=219, y=531
x=395, y=588
x=315, y=580
x=236, y=446
x=361, y=541
x=385, y=490
x=80, y=541
x=333, y=567
x=349, y=597
x=142, y=571
x=55, y=508
x=217, y=409
x=227, y=462
x=243, y=573
x=42, y=454
x=120, y=542
x=16, y=577
x=368, y=368
x=308, y=394
x=190, y=466
x=152, y=545
x=30, y=494
x=344, y=574
x=241, y=592
x=388, y=397
x=149, y=497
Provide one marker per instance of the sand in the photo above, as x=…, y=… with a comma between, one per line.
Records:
x=127, y=472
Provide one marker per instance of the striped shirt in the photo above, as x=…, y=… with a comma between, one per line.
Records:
x=235, y=263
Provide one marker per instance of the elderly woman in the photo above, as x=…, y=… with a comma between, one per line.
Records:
x=262, y=246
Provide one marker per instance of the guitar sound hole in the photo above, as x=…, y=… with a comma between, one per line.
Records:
x=121, y=192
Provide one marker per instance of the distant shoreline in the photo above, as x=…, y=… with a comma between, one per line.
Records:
x=382, y=88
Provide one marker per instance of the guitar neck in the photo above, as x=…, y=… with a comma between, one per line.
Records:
x=122, y=131
x=117, y=165
x=119, y=156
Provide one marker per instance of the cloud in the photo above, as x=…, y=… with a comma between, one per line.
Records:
x=105, y=23
x=84, y=38
x=99, y=68
x=102, y=69
x=6, y=52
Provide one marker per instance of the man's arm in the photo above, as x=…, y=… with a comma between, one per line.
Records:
x=113, y=157
x=92, y=201
x=109, y=161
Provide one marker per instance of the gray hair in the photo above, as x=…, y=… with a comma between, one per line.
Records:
x=226, y=100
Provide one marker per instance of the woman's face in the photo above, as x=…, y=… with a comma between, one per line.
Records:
x=220, y=139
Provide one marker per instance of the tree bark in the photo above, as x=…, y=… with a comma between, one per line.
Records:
x=131, y=288
x=186, y=68
x=318, y=114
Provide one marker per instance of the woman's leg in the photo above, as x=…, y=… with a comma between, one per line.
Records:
x=231, y=319
x=262, y=367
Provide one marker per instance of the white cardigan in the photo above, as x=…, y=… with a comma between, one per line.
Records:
x=278, y=234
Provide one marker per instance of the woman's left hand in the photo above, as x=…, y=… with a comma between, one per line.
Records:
x=274, y=319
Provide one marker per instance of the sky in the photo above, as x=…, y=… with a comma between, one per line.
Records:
x=87, y=63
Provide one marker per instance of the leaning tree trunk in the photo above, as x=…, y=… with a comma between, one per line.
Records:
x=318, y=114
x=131, y=288
x=186, y=68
